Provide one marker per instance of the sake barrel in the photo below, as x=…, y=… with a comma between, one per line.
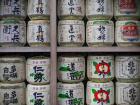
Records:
x=12, y=94
x=100, y=33
x=38, y=33
x=127, y=68
x=127, y=33
x=70, y=94
x=100, y=68
x=38, y=70
x=71, y=68
x=126, y=9
x=128, y=93
x=13, y=9
x=71, y=9
x=38, y=95
x=39, y=9
x=100, y=93
x=99, y=9
x=12, y=69
x=12, y=33
x=71, y=33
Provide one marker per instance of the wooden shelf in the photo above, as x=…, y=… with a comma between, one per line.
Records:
x=100, y=49
x=24, y=49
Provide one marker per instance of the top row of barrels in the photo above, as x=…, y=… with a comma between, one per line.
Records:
x=71, y=9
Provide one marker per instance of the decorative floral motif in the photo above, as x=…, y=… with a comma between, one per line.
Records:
x=101, y=96
x=102, y=68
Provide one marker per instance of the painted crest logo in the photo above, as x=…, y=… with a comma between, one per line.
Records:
x=101, y=96
x=102, y=68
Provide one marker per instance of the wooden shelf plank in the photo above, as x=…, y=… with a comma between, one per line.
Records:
x=99, y=49
x=24, y=49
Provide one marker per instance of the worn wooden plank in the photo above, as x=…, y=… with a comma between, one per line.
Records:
x=53, y=80
x=24, y=49
x=98, y=49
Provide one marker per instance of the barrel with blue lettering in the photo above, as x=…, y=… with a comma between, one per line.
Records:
x=71, y=9
x=38, y=33
x=12, y=69
x=99, y=9
x=13, y=9
x=71, y=33
x=100, y=33
x=12, y=33
x=13, y=94
x=39, y=9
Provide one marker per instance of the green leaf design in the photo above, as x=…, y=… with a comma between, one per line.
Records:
x=95, y=72
x=32, y=100
x=109, y=74
x=108, y=90
x=64, y=69
x=78, y=74
x=93, y=91
x=95, y=63
x=32, y=74
x=94, y=100
x=63, y=96
x=108, y=101
x=109, y=63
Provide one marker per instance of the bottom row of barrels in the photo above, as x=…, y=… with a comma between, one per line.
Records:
x=71, y=94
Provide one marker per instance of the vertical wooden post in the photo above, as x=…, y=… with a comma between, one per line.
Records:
x=53, y=79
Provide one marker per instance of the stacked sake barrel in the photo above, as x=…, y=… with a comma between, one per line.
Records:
x=127, y=14
x=38, y=68
x=38, y=31
x=12, y=77
x=71, y=73
x=71, y=69
x=100, y=69
x=99, y=28
x=100, y=88
x=128, y=80
x=71, y=28
x=12, y=24
x=38, y=77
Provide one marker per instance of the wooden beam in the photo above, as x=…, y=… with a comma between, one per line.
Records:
x=53, y=79
x=98, y=49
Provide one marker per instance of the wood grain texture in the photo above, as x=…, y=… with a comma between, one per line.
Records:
x=53, y=79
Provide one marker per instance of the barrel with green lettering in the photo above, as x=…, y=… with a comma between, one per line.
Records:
x=71, y=69
x=70, y=94
x=38, y=95
x=38, y=70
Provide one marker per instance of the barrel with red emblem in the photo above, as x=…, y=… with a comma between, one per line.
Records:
x=127, y=9
x=127, y=33
x=100, y=68
x=100, y=93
